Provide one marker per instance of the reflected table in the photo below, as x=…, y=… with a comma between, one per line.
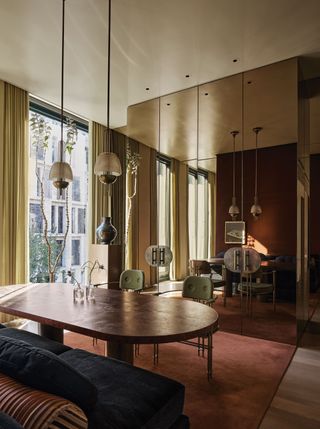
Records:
x=121, y=319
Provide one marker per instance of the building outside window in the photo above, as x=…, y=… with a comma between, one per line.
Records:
x=76, y=246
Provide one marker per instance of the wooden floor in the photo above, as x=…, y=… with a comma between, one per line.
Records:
x=296, y=404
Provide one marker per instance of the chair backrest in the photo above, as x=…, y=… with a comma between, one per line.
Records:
x=132, y=279
x=197, y=288
x=198, y=267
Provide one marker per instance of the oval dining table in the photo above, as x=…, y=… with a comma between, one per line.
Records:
x=120, y=318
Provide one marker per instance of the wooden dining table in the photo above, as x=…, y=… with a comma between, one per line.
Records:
x=120, y=318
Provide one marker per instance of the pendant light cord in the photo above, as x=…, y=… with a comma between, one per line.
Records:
x=108, y=79
x=242, y=143
x=234, y=167
x=62, y=80
x=256, y=181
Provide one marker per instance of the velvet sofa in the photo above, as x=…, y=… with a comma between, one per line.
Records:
x=95, y=391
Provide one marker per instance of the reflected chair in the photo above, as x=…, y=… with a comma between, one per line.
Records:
x=200, y=289
x=132, y=280
x=261, y=283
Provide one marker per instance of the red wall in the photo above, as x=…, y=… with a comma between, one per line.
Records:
x=277, y=190
x=315, y=204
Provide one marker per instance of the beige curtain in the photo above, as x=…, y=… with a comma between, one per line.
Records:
x=98, y=196
x=14, y=145
x=179, y=220
x=212, y=214
x=143, y=230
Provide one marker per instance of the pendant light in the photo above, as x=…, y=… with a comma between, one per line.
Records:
x=60, y=172
x=107, y=165
x=234, y=209
x=256, y=208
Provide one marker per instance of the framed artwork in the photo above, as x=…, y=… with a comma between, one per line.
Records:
x=235, y=232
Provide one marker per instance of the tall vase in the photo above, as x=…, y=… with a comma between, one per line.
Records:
x=106, y=232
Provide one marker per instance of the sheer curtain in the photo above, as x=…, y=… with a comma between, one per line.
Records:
x=14, y=108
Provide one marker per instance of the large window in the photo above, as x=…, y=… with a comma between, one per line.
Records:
x=163, y=172
x=198, y=211
x=54, y=204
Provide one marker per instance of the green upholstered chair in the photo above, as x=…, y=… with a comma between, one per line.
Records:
x=199, y=289
x=132, y=280
x=260, y=283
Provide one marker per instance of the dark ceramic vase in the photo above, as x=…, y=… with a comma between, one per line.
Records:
x=106, y=232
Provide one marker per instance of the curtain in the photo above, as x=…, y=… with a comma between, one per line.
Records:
x=98, y=197
x=212, y=212
x=143, y=229
x=104, y=201
x=14, y=110
x=179, y=220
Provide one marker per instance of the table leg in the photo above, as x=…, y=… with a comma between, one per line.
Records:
x=51, y=332
x=120, y=351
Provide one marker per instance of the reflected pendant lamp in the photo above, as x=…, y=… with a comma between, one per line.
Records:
x=256, y=209
x=60, y=172
x=234, y=209
x=107, y=166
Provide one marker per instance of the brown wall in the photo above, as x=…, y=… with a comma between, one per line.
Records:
x=315, y=204
x=276, y=229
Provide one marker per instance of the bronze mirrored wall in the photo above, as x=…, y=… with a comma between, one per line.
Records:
x=190, y=132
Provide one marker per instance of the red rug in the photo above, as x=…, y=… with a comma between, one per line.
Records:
x=246, y=374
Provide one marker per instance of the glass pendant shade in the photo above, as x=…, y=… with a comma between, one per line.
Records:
x=256, y=209
x=60, y=174
x=234, y=209
x=107, y=167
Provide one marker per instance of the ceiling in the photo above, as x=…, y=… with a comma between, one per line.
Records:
x=155, y=44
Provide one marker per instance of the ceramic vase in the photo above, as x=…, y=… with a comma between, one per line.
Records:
x=106, y=232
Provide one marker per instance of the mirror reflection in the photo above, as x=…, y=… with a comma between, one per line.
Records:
x=190, y=133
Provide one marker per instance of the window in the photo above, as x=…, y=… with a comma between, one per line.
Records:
x=198, y=209
x=54, y=203
x=76, y=189
x=81, y=221
x=163, y=174
x=75, y=252
x=60, y=219
x=35, y=218
x=53, y=219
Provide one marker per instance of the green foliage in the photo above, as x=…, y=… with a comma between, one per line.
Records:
x=38, y=256
x=40, y=131
x=72, y=135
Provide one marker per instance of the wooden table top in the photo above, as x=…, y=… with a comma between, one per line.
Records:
x=114, y=315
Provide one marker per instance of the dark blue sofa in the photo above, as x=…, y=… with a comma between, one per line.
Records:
x=112, y=394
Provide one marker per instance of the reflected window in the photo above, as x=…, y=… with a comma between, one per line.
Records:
x=198, y=214
x=163, y=173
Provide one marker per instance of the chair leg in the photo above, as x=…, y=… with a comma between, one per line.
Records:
x=155, y=354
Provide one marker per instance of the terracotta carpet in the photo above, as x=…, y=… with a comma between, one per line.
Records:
x=246, y=374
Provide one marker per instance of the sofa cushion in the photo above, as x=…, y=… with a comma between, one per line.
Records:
x=35, y=340
x=128, y=397
x=44, y=370
x=7, y=422
x=35, y=409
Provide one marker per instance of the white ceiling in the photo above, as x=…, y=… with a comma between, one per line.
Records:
x=155, y=43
